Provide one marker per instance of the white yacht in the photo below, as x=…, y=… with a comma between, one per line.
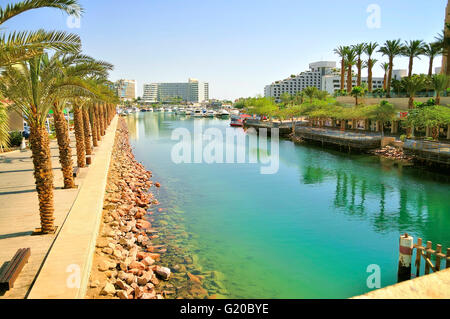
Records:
x=210, y=113
x=223, y=113
x=197, y=113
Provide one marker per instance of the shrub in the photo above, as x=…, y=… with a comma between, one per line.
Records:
x=15, y=138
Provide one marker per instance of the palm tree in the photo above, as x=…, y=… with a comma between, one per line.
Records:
x=440, y=83
x=431, y=50
x=385, y=67
x=4, y=127
x=341, y=51
x=19, y=46
x=413, y=49
x=310, y=92
x=370, y=50
x=413, y=85
x=357, y=92
x=391, y=48
x=350, y=61
x=32, y=91
x=359, y=50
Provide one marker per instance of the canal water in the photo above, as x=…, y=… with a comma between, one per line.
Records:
x=312, y=230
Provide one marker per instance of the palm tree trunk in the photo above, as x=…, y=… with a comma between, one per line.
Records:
x=385, y=81
x=97, y=122
x=438, y=98
x=87, y=132
x=342, y=74
x=411, y=102
x=358, y=80
x=93, y=125
x=43, y=175
x=349, y=80
x=370, y=76
x=410, y=68
x=65, y=152
x=79, y=137
x=389, y=79
x=430, y=67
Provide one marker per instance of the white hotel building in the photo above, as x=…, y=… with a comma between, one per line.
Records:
x=192, y=91
x=323, y=76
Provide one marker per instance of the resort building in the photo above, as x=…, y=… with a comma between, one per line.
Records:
x=192, y=91
x=324, y=76
x=297, y=83
x=126, y=89
x=331, y=83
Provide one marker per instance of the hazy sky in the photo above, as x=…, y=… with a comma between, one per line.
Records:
x=238, y=46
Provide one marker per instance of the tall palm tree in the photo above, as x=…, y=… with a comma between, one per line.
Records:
x=431, y=50
x=391, y=49
x=32, y=90
x=370, y=50
x=350, y=61
x=310, y=92
x=440, y=83
x=385, y=67
x=359, y=50
x=341, y=51
x=19, y=46
x=413, y=49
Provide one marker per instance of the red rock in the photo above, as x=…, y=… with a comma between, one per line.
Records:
x=143, y=224
x=157, y=184
x=148, y=261
x=194, y=278
x=136, y=265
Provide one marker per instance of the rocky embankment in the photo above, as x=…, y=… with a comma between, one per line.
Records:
x=393, y=153
x=126, y=263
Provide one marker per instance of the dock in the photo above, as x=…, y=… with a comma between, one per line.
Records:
x=428, y=151
x=348, y=140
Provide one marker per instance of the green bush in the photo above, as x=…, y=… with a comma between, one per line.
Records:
x=15, y=138
x=403, y=138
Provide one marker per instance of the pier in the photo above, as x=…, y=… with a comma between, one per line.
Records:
x=428, y=151
x=284, y=128
x=347, y=139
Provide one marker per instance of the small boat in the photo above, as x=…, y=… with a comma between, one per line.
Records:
x=223, y=114
x=168, y=110
x=197, y=113
x=236, y=121
x=210, y=113
x=180, y=111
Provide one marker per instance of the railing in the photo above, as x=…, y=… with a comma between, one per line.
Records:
x=428, y=150
x=426, y=253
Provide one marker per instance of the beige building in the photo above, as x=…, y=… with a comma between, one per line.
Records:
x=126, y=89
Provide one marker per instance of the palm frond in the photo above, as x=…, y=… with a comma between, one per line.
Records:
x=71, y=7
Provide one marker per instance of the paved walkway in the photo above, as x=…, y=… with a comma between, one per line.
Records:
x=65, y=273
x=19, y=214
x=433, y=286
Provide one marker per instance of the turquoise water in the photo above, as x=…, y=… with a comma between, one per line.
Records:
x=309, y=231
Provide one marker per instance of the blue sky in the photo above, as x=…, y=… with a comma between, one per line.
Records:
x=238, y=46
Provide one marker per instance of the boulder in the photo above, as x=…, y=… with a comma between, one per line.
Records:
x=108, y=290
x=163, y=272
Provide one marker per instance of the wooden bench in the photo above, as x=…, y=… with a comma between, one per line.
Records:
x=76, y=171
x=13, y=269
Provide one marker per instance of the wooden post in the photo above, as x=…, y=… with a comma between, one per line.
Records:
x=404, y=264
x=419, y=249
x=447, y=263
x=438, y=257
x=428, y=254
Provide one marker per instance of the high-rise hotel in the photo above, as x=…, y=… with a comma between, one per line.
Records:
x=126, y=89
x=192, y=91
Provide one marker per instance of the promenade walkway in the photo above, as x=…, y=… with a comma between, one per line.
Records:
x=19, y=212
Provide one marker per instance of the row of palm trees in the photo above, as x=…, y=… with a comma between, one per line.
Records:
x=353, y=56
x=45, y=71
